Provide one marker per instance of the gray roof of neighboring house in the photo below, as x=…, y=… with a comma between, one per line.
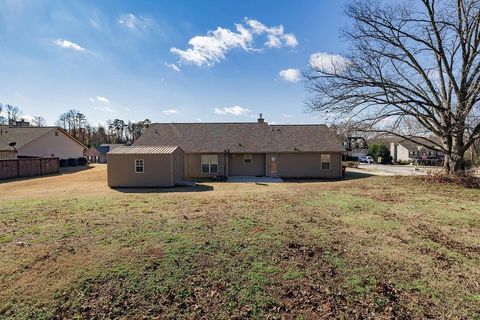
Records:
x=24, y=135
x=242, y=137
x=111, y=146
x=20, y=135
x=144, y=150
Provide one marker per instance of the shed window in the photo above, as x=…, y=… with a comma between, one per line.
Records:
x=56, y=133
x=325, y=161
x=209, y=163
x=247, y=158
x=139, y=166
x=3, y=155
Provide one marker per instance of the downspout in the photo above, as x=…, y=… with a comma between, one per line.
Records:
x=225, y=159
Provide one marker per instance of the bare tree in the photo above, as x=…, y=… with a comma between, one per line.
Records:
x=39, y=121
x=3, y=120
x=417, y=61
x=12, y=113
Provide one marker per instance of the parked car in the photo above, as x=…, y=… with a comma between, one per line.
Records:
x=365, y=159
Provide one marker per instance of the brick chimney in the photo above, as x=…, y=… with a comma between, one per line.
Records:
x=260, y=118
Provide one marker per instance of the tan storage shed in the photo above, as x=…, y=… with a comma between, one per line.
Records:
x=145, y=166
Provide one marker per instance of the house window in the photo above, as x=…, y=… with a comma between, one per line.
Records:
x=139, y=166
x=325, y=161
x=209, y=163
x=247, y=158
x=3, y=155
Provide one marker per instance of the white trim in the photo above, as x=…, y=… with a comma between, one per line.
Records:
x=142, y=165
x=209, y=163
x=323, y=159
x=247, y=156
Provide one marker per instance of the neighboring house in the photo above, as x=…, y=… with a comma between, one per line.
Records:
x=356, y=147
x=42, y=142
x=407, y=151
x=250, y=149
x=98, y=154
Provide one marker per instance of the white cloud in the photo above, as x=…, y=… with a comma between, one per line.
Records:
x=169, y=112
x=172, y=66
x=290, y=40
x=327, y=62
x=290, y=75
x=134, y=22
x=104, y=109
x=99, y=99
x=103, y=99
x=235, y=110
x=213, y=47
x=68, y=45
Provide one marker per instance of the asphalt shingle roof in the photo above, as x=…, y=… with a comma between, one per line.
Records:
x=20, y=135
x=241, y=137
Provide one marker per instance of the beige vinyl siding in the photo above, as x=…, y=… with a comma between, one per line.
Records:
x=403, y=154
x=305, y=165
x=160, y=170
x=193, y=165
x=238, y=167
x=50, y=145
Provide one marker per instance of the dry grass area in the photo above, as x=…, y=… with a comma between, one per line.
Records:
x=372, y=247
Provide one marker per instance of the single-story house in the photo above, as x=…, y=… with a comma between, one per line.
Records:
x=98, y=154
x=406, y=151
x=149, y=166
x=42, y=142
x=249, y=149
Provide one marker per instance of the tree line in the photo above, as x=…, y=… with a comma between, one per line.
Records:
x=77, y=125
x=115, y=131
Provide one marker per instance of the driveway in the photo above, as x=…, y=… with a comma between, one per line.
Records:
x=393, y=170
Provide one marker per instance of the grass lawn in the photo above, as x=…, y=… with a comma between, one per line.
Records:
x=373, y=247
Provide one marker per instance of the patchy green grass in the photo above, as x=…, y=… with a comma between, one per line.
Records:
x=379, y=247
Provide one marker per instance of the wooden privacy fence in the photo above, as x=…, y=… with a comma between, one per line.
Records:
x=28, y=167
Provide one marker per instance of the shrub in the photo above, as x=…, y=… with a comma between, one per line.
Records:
x=467, y=179
x=82, y=161
x=377, y=150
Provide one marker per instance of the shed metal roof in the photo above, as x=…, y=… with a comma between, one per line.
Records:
x=144, y=150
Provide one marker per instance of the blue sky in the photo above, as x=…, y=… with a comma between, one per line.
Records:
x=181, y=61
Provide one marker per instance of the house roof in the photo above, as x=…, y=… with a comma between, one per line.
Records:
x=97, y=151
x=111, y=146
x=25, y=135
x=241, y=137
x=144, y=150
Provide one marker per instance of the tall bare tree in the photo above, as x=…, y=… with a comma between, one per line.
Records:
x=3, y=120
x=13, y=113
x=39, y=121
x=416, y=60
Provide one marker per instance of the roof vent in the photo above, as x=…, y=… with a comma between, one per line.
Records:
x=260, y=118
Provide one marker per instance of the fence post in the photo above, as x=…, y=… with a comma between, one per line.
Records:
x=18, y=168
